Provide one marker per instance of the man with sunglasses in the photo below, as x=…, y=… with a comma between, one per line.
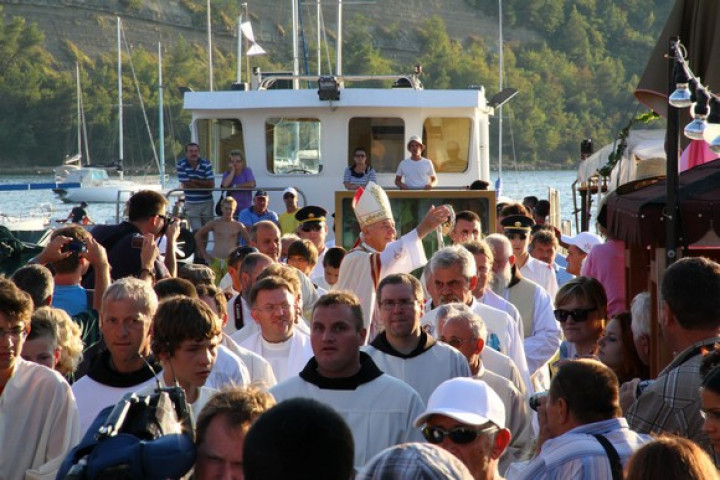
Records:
x=286, y=220
x=582, y=432
x=39, y=420
x=130, y=244
x=467, y=418
x=517, y=229
x=378, y=408
x=313, y=226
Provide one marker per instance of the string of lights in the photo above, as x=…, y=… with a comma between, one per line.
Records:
x=705, y=106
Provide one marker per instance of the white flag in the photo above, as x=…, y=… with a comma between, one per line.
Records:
x=254, y=49
x=247, y=31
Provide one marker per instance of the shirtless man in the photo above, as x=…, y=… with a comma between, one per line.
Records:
x=225, y=237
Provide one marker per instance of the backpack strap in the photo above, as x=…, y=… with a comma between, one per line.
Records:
x=612, y=454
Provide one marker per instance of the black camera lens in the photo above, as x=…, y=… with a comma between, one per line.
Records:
x=535, y=398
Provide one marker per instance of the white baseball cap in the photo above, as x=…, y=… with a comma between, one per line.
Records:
x=290, y=190
x=466, y=400
x=583, y=240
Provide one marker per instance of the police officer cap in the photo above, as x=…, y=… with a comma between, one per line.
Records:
x=311, y=213
x=517, y=224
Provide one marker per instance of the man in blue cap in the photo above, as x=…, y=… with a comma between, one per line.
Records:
x=258, y=211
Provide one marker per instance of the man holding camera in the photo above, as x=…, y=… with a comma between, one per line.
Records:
x=582, y=432
x=131, y=245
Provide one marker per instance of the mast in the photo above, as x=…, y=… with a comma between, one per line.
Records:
x=79, y=112
x=120, y=101
x=209, y=41
x=296, y=60
x=500, y=87
x=238, y=74
x=338, y=60
x=161, y=119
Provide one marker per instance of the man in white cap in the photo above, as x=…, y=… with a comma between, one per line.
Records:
x=380, y=253
x=578, y=248
x=287, y=221
x=415, y=172
x=467, y=418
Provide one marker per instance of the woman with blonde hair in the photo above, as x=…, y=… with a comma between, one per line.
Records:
x=581, y=309
x=671, y=457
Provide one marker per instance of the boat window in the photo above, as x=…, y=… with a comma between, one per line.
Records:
x=217, y=137
x=383, y=138
x=293, y=146
x=448, y=143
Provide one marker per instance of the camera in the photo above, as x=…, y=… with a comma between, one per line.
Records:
x=75, y=246
x=137, y=241
x=535, y=398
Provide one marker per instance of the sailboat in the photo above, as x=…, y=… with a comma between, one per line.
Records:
x=87, y=183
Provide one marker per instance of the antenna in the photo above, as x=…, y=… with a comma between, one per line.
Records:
x=147, y=364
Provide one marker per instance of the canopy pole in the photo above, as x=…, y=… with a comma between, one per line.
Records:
x=672, y=142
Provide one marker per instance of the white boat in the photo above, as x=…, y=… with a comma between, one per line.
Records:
x=95, y=186
x=92, y=184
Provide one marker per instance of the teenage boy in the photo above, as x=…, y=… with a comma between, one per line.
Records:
x=302, y=255
x=185, y=338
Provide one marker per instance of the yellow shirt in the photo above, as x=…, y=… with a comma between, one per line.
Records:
x=288, y=224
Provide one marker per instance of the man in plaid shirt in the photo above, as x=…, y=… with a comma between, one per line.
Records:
x=690, y=323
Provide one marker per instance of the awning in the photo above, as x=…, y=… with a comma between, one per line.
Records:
x=637, y=217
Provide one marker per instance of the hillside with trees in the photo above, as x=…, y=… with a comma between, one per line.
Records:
x=575, y=64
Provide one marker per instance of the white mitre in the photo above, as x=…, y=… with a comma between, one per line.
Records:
x=371, y=204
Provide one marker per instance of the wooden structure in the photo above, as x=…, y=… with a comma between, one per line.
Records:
x=637, y=216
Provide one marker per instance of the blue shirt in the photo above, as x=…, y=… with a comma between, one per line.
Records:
x=71, y=298
x=576, y=454
x=248, y=217
x=203, y=171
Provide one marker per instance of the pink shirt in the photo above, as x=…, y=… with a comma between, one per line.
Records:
x=606, y=264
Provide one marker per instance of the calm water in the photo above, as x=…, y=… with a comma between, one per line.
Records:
x=515, y=185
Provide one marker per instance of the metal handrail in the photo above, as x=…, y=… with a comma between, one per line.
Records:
x=235, y=189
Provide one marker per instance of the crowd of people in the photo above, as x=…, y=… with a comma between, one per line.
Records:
x=297, y=359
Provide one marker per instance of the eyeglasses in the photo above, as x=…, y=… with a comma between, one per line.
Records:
x=459, y=435
x=311, y=228
x=513, y=236
x=14, y=332
x=456, y=342
x=360, y=155
x=390, y=305
x=578, y=314
x=269, y=308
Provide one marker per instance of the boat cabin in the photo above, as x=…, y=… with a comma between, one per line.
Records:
x=297, y=138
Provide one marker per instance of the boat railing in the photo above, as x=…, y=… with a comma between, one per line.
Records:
x=406, y=80
x=178, y=193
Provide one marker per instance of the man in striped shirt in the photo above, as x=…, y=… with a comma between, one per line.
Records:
x=196, y=172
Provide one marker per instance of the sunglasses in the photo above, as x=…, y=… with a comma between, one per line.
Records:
x=458, y=435
x=578, y=314
x=311, y=228
x=513, y=236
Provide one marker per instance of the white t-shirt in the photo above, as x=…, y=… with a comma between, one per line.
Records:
x=416, y=173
